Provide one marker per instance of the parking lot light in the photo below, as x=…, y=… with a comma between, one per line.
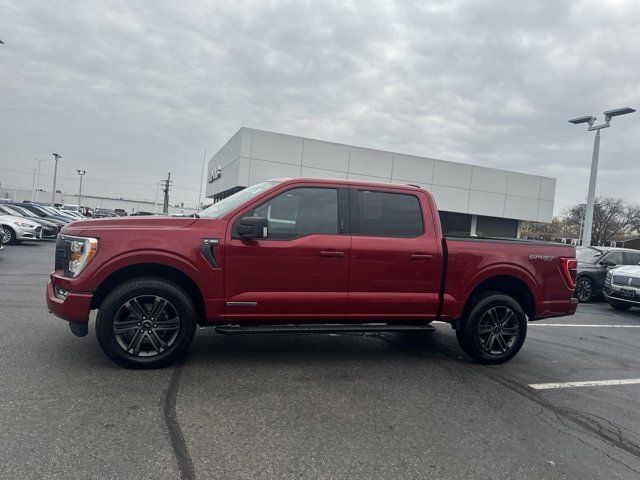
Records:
x=56, y=157
x=590, y=119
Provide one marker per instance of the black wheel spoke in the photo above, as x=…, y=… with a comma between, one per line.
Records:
x=502, y=345
x=136, y=341
x=168, y=325
x=125, y=326
x=511, y=331
x=157, y=342
x=506, y=318
x=484, y=329
x=137, y=309
x=158, y=307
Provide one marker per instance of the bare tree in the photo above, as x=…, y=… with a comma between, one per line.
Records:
x=612, y=217
x=546, y=231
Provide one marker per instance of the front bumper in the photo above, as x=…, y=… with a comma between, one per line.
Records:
x=23, y=233
x=75, y=307
x=612, y=293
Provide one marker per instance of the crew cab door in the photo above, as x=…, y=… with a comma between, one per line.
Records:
x=396, y=256
x=300, y=270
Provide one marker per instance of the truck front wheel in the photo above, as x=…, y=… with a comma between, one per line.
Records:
x=493, y=329
x=145, y=323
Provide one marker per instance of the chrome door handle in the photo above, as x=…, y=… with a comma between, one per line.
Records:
x=331, y=254
x=421, y=257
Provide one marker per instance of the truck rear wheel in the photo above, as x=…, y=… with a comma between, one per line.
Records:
x=493, y=329
x=146, y=323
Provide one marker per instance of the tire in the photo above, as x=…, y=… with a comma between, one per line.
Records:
x=482, y=321
x=621, y=307
x=133, y=336
x=9, y=236
x=584, y=290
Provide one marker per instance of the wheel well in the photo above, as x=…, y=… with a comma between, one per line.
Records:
x=151, y=270
x=512, y=286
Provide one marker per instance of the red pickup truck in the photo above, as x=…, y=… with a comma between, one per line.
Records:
x=303, y=255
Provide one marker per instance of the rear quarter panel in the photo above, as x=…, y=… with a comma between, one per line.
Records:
x=472, y=261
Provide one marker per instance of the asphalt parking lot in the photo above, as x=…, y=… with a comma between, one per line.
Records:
x=316, y=407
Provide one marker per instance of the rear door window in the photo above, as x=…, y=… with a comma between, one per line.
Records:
x=385, y=214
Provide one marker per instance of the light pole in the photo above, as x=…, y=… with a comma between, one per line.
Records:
x=81, y=173
x=55, y=177
x=591, y=195
x=36, y=180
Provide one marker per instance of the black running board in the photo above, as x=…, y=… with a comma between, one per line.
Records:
x=320, y=328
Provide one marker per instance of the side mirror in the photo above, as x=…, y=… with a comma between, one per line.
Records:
x=251, y=227
x=608, y=263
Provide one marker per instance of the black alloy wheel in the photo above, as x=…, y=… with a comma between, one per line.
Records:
x=584, y=290
x=146, y=326
x=498, y=330
x=493, y=328
x=146, y=323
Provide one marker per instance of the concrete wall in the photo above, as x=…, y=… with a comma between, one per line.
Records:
x=129, y=205
x=251, y=156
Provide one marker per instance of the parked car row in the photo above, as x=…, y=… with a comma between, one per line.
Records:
x=29, y=221
x=609, y=273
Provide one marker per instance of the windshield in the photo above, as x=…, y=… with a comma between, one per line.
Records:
x=588, y=254
x=23, y=211
x=49, y=210
x=223, y=207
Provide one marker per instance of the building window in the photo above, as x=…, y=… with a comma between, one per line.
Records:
x=455, y=224
x=496, y=227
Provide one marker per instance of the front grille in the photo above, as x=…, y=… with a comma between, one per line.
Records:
x=60, y=251
x=626, y=281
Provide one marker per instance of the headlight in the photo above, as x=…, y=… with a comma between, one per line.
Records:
x=79, y=251
x=25, y=225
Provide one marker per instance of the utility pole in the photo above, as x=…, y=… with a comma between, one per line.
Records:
x=55, y=177
x=167, y=186
x=37, y=178
x=204, y=163
x=81, y=173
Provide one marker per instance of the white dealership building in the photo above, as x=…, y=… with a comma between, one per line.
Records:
x=472, y=199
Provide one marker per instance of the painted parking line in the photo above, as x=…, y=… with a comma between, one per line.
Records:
x=592, y=383
x=592, y=325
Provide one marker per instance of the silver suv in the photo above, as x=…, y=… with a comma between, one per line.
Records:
x=622, y=287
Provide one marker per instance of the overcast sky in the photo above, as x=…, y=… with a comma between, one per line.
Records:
x=131, y=90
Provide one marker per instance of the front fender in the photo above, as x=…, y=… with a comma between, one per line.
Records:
x=159, y=257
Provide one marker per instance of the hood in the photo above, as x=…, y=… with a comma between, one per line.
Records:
x=14, y=219
x=631, y=270
x=126, y=223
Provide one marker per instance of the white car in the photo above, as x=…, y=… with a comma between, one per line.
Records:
x=622, y=287
x=16, y=229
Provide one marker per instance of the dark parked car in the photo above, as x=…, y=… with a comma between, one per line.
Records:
x=142, y=213
x=120, y=212
x=593, y=265
x=103, y=213
x=43, y=212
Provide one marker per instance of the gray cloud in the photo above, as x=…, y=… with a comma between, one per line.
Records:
x=131, y=91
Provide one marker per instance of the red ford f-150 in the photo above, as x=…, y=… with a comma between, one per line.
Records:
x=303, y=255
